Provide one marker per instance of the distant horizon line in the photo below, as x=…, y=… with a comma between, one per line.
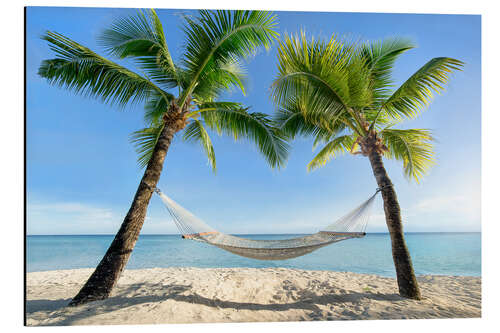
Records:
x=270, y=234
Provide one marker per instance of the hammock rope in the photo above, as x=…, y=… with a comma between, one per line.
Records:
x=351, y=225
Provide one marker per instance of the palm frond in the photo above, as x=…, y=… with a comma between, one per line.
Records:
x=411, y=146
x=213, y=106
x=255, y=126
x=305, y=114
x=154, y=109
x=339, y=145
x=293, y=124
x=417, y=91
x=336, y=89
x=145, y=141
x=195, y=132
x=380, y=57
x=217, y=38
x=84, y=72
x=361, y=92
x=313, y=65
x=142, y=37
x=333, y=76
x=224, y=78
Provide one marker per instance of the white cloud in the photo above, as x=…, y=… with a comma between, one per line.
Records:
x=453, y=204
x=70, y=218
x=449, y=209
x=81, y=210
x=453, y=208
x=377, y=222
x=159, y=224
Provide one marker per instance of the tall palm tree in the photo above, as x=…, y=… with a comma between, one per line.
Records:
x=341, y=93
x=176, y=96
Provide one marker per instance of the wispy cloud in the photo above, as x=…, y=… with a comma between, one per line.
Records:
x=69, y=218
x=60, y=217
x=82, y=211
x=463, y=205
x=451, y=209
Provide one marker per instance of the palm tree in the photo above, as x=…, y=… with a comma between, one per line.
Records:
x=341, y=93
x=176, y=96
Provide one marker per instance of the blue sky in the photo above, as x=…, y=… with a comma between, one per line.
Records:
x=82, y=171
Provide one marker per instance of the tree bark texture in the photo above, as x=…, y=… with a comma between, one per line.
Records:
x=407, y=282
x=107, y=273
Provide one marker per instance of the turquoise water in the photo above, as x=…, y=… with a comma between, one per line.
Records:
x=432, y=253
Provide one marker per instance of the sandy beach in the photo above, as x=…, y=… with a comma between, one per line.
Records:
x=192, y=295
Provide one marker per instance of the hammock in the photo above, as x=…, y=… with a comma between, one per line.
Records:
x=352, y=225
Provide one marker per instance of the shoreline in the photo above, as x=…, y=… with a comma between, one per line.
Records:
x=193, y=295
x=258, y=268
x=175, y=234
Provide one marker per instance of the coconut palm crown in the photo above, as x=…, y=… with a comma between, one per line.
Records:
x=342, y=94
x=177, y=96
x=186, y=93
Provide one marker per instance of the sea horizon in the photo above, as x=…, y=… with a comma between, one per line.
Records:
x=433, y=253
x=268, y=234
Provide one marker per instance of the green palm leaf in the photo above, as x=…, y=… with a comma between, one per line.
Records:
x=213, y=106
x=417, y=91
x=293, y=124
x=255, y=126
x=81, y=70
x=142, y=37
x=216, y=43
x=154, y=109
x=332, y=149
x=196, y=132
x=216, y=38
x=380, y=58
x=413, y=147
x=316, y=66
x=145, y=141
x=224, y=78
x=305, y=115
x=335, y=78
x=340, y=90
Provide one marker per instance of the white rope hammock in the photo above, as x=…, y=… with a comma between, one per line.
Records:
x=352, y=225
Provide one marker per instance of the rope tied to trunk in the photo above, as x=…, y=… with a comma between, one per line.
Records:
x=381, y=188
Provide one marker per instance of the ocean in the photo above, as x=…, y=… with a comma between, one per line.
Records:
x=432, y=253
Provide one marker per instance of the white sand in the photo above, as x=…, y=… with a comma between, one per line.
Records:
x=188, y=295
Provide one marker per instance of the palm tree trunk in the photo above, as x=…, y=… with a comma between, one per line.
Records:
x=407, y=282
x=107, y=273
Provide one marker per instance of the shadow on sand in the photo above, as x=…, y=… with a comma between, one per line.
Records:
x=182, y=293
